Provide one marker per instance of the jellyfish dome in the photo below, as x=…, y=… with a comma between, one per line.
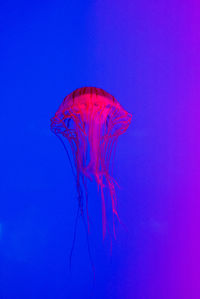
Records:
x=90, y=120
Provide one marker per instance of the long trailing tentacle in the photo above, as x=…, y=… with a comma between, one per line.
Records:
x=73, y=171
x=89, y=249
x=80, y=195
x=74, y=238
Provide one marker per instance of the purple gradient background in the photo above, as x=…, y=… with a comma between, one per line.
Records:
x=145, y=53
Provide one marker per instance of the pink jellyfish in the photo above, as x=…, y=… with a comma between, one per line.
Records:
x=91, y=120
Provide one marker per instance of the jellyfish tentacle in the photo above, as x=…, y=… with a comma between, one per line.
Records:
x=74, y=238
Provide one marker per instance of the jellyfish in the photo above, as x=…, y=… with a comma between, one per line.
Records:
x=89, y=122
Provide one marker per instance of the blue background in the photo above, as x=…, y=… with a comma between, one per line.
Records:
x=144, y=53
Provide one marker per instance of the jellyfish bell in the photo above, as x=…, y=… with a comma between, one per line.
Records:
x=91, y=120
